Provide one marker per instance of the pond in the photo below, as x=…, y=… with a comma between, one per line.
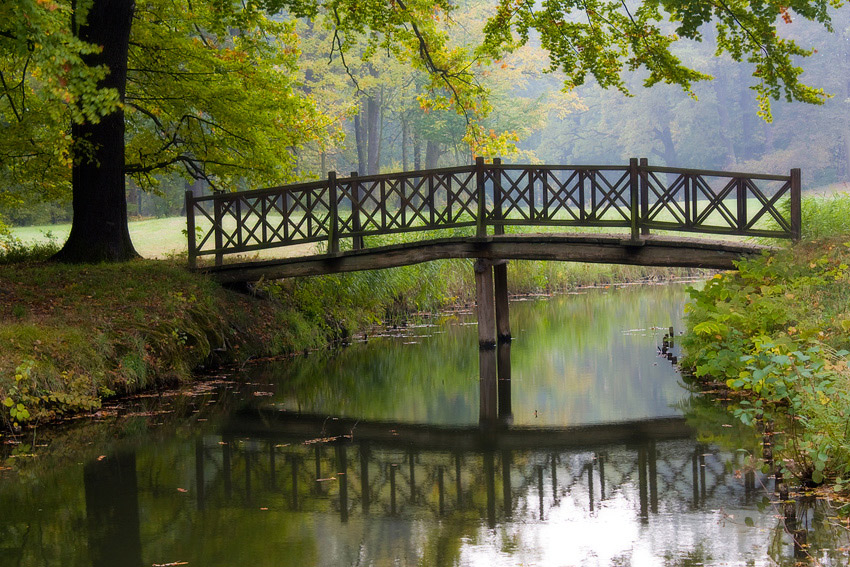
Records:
x=576, y=445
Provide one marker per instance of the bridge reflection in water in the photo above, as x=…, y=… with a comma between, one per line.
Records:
x=358, y=476
x=344, y=481
x=500, y=471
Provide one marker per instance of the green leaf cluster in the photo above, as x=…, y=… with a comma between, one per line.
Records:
x=776, y=334
x=25, y=401
x=607, y=39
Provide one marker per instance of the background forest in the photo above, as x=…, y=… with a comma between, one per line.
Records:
x=370, y=112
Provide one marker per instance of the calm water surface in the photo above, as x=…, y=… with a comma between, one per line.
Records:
x=576, y=445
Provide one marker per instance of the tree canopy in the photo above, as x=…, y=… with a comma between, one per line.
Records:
x=211, y=89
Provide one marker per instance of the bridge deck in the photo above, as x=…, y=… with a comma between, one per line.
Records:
x=651, y=250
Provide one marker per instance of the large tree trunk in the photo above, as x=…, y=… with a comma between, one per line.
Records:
x=99, y=230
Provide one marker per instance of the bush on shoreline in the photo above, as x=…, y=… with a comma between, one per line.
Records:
x=776, y=333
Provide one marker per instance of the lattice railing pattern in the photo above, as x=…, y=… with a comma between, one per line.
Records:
x=491, y=197
x=350, y=477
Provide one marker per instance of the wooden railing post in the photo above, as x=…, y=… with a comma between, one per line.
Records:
x=796, y=205
x=219, y=240
x=481, y=221
x=190, y=229
x=742, y=204
x=498, y=228
x=634, y=194
x=333, y=220
x=644, y=195
x=356, y=241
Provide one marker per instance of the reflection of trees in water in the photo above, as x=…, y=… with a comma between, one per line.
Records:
x=112, y=510
x=574, y=356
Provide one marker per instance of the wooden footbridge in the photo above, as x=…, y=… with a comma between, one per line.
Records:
x=493, y=213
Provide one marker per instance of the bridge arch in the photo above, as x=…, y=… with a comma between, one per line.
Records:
x=486, y=212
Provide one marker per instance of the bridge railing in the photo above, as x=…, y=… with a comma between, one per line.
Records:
x=637, y=198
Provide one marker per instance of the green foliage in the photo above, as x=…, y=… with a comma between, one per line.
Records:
x=25, y=400
x=776, y=333
x=14, y=250
x=606, y=39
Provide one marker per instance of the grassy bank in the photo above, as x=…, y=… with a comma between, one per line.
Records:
x=776, y=334
x=73, y=335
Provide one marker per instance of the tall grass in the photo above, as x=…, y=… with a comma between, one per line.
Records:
x=826, y=216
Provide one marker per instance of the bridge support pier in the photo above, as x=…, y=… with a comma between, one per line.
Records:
x=485, y=304
x=503, y=323
x=491, y=297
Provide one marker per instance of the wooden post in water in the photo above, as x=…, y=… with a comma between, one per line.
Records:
x=364, y=476
x=486, y=305
x=489, y=462
x=488, y=387
x=500, y=279
x=504, y=378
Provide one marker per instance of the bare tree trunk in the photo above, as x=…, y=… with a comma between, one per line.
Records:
x=373, y=112
x=99, y=230
x=417, y=153
x=432, y=154
x=360, y=140
x=404, y=143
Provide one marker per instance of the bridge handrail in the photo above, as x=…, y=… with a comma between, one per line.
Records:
x=636, y=196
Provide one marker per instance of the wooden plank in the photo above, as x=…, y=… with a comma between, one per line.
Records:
x=712, y=173
x=606, y=249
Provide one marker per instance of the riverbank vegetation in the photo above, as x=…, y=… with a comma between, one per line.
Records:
x=776, y=334
x=75, y=334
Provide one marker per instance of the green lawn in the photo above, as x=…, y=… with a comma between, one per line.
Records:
x=153, y=238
